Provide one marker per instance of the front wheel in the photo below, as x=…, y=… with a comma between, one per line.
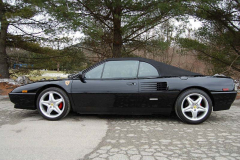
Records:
x=53, y=104
x=193, y=106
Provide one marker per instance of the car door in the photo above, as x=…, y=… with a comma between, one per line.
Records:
x=153, y=90
x=110, y=87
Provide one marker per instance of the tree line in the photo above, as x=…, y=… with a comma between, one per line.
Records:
x=117, y=28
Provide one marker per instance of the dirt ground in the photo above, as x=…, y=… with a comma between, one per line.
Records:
x=238, y=96
x=6, y=88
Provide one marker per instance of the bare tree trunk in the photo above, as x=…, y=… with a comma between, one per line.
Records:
x=117, y=33
x=4, y=73
x=58, y=65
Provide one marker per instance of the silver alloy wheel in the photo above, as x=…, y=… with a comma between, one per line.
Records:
x=195, y=107
x=50, y=107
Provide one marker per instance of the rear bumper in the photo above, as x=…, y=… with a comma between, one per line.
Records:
x=223, y=100
x=23, y=100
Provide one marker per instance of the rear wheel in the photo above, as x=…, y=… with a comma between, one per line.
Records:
x=193, y=106
x=53, y=104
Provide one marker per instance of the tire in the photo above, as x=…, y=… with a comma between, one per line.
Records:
x=193, y=106
x=53, y=104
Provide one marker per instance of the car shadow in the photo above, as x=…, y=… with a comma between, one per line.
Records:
x=112, y=117
x=72, y=116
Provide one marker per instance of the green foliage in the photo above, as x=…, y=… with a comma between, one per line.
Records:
x=218, y=40
x=191, y=44
x=30, y=28
x=114, y=28
x=111, y=25
x=75, y=61
x=69, y=60
x=28, y=44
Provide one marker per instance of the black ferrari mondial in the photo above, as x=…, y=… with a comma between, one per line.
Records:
x=129, y=86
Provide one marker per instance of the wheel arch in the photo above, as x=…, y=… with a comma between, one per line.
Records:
x=200, y=88
x=48, y=86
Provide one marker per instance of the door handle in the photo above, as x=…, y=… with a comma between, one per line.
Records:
x=131, y=83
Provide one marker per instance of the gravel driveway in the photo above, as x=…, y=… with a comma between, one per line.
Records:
x=25, y=135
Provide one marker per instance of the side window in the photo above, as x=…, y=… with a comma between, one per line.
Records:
x=95, y=73
x=147, y=70
x=120, y=69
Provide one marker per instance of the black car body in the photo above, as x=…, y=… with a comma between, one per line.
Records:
x=132, y=91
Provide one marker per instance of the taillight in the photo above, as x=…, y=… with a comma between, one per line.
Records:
x=225, y=89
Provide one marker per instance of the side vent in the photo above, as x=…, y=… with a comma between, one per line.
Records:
x=153, y=86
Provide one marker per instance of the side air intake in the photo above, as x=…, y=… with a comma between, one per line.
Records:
x=153, y=86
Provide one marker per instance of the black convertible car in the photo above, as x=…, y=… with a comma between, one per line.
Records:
x=129, y=86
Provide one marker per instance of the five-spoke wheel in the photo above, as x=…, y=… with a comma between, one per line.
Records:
x=193, y=106
x=53, y=104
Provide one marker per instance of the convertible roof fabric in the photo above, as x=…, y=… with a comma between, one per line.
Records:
x=164, y=70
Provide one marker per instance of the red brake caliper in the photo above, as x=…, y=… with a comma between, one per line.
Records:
x=60, y=105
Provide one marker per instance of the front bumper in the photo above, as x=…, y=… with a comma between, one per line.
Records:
x=223, y=100
x=23, y=100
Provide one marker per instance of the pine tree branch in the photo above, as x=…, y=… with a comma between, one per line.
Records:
x=140, y=44
x=151, y=27
x=94, y=15
x=223, y=62
x=231, y=64
x=25, y=31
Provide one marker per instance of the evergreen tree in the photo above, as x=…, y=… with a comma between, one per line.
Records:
x=218, y=40
x=110, y=25
x=23, y=24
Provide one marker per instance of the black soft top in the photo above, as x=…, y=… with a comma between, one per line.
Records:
x=164, y=70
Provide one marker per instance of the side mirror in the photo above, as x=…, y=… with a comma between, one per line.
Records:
x=82, y=77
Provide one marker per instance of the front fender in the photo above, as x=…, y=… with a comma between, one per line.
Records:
x=27, y=99
x=35, y=87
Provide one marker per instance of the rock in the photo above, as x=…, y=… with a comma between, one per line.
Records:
x=25, y=80
x=135, y=157
x=219, y=75
x=118, y=156
x=19, y=80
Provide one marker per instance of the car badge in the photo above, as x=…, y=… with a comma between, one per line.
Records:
x=67, y=82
